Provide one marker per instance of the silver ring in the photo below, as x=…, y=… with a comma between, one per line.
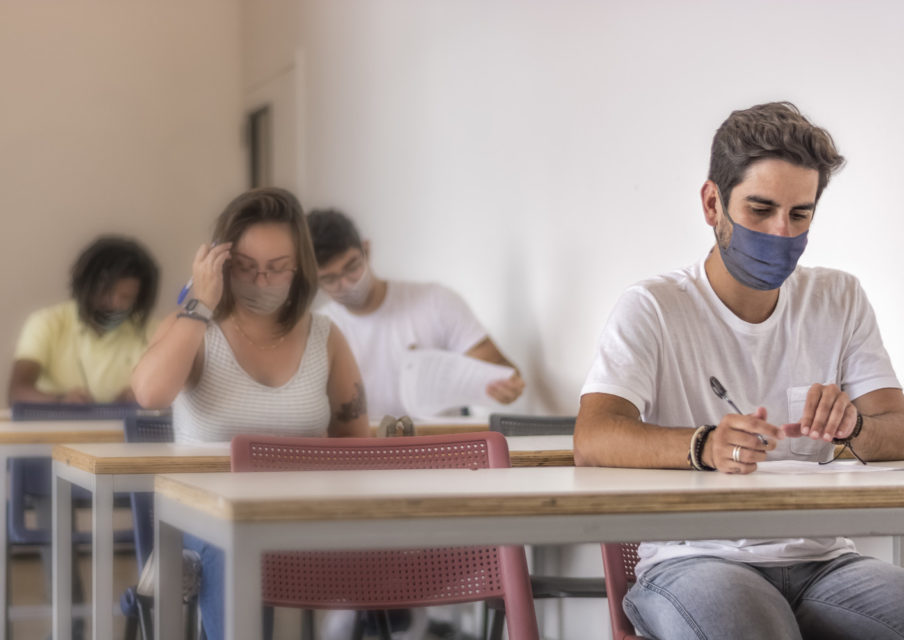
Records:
x=736, y=453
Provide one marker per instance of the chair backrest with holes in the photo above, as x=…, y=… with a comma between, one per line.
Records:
x=619, y=560
x=396, y=578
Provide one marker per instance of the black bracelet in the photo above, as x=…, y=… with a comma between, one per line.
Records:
x=856, y=432
x=193, y=316
x=698, y=441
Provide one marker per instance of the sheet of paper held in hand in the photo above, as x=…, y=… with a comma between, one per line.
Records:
x=805, y=466
x=433, y=381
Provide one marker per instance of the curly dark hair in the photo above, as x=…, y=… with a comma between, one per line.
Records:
x=106, y=261
x=772, y=130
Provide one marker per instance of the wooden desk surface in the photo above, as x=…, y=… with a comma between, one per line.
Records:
x=59, y=431
x=144, y=457
x=541, y=451
x=168, y=457
x=418, y=494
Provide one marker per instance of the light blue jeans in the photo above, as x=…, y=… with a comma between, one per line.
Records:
x=706, y=598
x=212, y=597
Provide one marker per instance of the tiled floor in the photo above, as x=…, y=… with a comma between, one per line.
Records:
x=27, y=588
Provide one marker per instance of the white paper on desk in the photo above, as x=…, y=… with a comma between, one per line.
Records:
x=805, y=466
x=433, y=381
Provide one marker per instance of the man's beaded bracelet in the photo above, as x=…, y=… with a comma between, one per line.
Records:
x=695, y=452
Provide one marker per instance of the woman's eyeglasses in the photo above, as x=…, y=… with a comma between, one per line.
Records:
x=249, y=273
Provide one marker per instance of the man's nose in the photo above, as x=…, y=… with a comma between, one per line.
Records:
x=780, y=225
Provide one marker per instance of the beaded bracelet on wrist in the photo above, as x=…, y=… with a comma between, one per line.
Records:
x=695, y=452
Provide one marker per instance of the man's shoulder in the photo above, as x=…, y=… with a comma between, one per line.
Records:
x=59, y=316
x=408, y=293
x=334, y=311
x=825, y=281
x=825, y=275
x=418, y=289
x=670, y=285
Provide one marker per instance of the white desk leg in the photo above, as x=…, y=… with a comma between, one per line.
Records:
x=243, y=586
x=168, y=590
x=102, y=558
x=4, y=460
x=62, y=557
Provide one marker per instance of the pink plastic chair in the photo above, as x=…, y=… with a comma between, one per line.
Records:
x=618, y=563
x=375, y=580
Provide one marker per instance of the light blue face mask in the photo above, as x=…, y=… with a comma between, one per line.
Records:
x=760, y=260
x=108, y=320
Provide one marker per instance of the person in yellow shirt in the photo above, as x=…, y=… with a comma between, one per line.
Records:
x=83, y=350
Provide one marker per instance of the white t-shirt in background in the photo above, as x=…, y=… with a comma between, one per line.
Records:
x=667, y=335
x=413, y=314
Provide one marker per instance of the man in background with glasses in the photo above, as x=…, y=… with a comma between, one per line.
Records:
x=799, y=348
x=381, y=319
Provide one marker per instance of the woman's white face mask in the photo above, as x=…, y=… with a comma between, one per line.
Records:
x=260, y=300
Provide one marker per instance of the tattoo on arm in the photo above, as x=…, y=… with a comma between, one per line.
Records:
x=354, y=408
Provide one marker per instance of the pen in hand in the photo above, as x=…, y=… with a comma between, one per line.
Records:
x=720, y=391
x=184, y=291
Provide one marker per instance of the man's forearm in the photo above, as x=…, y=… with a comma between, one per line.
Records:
x=881, y=437
x=619, y=441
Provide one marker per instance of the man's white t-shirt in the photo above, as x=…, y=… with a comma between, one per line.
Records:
x=413, y=314
x=669, y=334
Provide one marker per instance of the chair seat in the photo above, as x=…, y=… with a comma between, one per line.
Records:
x=567, y=587
x=545, y=587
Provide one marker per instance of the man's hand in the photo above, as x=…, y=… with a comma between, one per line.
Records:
x=828, y=414
x=739, y=442
x=506, y=391
x=77, y=396
x=126, y=396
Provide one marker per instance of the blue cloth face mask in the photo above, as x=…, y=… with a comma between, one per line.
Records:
x=760, y=260
x=108, y=320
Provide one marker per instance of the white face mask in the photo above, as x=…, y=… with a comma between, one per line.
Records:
x=260, y=300
x=355, y=295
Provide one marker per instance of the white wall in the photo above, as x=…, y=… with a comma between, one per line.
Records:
x=541, y=156
x=117, y=117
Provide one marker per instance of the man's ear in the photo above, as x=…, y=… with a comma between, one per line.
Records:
x=365, y=247
x=712, y=207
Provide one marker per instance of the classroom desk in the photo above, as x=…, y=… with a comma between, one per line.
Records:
x=247, y=514
x=37, y=438
x=105, y=469
x=541, y=451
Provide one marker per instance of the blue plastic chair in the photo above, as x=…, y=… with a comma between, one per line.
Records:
x=145, y=429
x=24, y=411
x=31, y=478
x=136, y=608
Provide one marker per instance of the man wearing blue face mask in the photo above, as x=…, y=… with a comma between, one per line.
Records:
x=84, y=349
x=798, y=346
